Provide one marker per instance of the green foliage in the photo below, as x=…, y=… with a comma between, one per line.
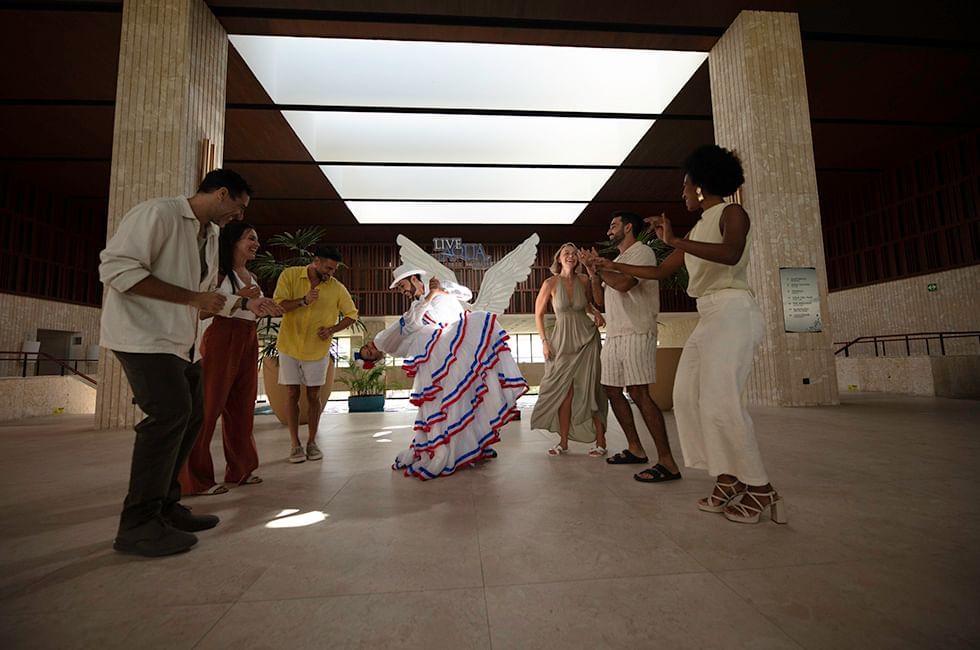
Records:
x=361, y=381
x=299, y=244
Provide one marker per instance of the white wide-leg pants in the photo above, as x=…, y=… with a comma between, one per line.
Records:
x=713, y=423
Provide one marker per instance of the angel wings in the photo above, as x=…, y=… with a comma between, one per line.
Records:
x=498, y=282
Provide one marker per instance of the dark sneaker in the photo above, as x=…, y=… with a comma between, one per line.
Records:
x=180, y=517
x=154, y=538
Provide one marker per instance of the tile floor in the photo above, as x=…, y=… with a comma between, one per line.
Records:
x=882, y=549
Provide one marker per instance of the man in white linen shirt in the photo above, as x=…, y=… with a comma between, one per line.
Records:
x=160, y=270
x=629, y=355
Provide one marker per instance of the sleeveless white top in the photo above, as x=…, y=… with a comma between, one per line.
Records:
x=227, y=289
x=708, y=277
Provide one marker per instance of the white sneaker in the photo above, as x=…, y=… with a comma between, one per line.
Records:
x=297, y=455
x=313, y=452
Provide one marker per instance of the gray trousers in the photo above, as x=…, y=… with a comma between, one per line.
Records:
x=169, y=391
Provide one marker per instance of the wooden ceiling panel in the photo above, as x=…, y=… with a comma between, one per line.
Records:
x=870, y=146
x=261, y=135
x=62, y=131
x=889, y=82
x=59, y=54
x=585, y=19
x=74, y=179
x=310, y=212
x=278, y=182
x=642, y=185
x=465, y=34
x=669, y=142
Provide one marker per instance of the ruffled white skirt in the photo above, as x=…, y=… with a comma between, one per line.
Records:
x=466, y=389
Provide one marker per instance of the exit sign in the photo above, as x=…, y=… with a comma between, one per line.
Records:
x=932, y=286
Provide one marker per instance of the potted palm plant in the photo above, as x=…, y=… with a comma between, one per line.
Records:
x=366, y=382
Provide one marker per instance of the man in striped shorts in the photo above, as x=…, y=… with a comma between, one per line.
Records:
x=629, y=356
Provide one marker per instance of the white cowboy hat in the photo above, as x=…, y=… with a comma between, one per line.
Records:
x=402, y=272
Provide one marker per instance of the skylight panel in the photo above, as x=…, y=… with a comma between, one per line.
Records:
x=382, y=212
x=462, y=149
x=394, y=137
x=360, y=72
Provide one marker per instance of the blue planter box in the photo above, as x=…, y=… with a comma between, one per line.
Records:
x=366, y=403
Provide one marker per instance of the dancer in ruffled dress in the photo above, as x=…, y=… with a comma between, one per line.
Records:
x=466, y=387
x=466, y=383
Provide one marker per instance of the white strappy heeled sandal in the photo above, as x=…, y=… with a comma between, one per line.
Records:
x=730, y=492
x=750, y=509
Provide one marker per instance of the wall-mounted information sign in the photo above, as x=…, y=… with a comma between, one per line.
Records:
x=801, y=299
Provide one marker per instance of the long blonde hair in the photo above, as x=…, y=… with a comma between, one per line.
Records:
x=556, y=263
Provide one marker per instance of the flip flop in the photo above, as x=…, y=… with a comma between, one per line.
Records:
x=597, y=452
x=657, y=474
x=251, y=480
x=217, y=488
x=627, y=457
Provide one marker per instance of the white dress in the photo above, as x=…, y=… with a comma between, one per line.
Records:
x=466, y=386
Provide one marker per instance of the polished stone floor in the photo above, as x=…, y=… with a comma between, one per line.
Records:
x=882, y=549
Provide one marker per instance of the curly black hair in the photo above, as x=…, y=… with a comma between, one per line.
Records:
x=715, y=169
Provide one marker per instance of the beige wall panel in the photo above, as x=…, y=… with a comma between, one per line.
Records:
x=907, y=306
x=21, y=317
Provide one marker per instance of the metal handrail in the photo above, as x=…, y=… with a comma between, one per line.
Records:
x=942, y=337
x=24, y=358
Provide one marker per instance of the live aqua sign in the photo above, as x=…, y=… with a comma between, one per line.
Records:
x=452, y=250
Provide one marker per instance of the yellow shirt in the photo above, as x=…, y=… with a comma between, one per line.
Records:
x=297, y=332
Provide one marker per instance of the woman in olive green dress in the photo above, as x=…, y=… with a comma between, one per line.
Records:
x=571, y=401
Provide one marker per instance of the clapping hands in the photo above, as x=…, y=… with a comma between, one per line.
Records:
x=662, y=228
x=592, y=260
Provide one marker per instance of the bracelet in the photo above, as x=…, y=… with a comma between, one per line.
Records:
x=304, y=301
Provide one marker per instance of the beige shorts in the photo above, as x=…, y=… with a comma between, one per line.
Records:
x=629, y=360
x=293, y=372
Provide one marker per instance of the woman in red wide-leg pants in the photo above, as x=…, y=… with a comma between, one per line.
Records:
x=229, y=353
x=229, y=364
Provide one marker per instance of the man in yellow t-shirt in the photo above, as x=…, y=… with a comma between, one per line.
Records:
x=314, y=302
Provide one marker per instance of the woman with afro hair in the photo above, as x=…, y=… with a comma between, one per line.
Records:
x=716, y=432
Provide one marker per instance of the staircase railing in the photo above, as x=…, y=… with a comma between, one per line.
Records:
x=880, y=340
x=25, y=359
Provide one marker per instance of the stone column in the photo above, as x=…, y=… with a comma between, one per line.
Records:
x=170, y=97
x=759, y=104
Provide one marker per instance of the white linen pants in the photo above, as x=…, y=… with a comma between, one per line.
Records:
x=713, y=423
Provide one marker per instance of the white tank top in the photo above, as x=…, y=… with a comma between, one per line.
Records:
x=708, y=277
x=227, y=289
